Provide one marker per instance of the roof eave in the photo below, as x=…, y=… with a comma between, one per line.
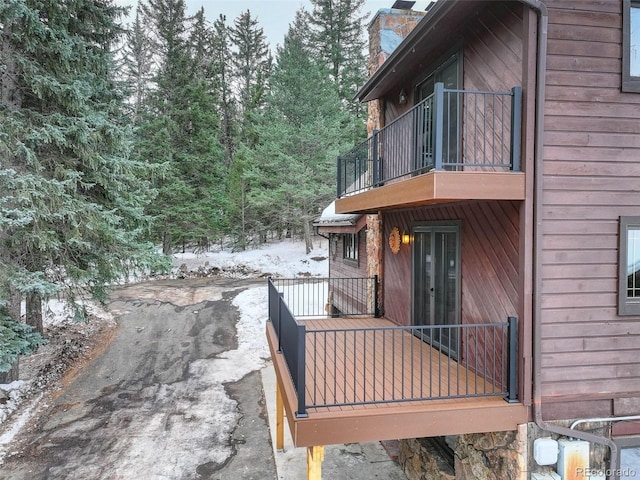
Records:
x=374, y=87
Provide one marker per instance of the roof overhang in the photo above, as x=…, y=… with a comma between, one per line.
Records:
x=436, y=33
x=342, y=227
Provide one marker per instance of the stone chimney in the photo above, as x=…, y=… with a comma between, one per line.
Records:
x=386, y=31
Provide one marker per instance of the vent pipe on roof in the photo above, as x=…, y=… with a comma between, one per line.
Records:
x=403, y=4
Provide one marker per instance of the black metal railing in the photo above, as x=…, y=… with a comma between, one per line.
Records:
x=313, y=297
x=368, y=365
x=401, y=364
x=449, y=130
x=318, y=297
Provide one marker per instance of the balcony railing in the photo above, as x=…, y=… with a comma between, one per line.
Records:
x=450, y=130
x=362, y=365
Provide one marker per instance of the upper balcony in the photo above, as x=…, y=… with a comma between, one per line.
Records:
x=346, y=375
x=455, y=145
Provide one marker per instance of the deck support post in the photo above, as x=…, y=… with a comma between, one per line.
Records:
x=315, y=456
x=279, y=419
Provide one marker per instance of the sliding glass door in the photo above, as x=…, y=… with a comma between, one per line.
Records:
x=436, y=283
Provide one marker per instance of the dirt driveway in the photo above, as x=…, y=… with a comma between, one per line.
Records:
x=158, y=403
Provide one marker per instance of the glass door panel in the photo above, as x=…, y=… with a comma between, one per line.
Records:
x=449, y=74
x=436, y=285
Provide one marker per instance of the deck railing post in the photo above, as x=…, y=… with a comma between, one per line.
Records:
x=438, y=122
x=279, y=325
x=269, y=298
x=374, y=155
x=301, y=374
x=512, y=361
x=516, y=122
x=376, y=306
x=339, y=178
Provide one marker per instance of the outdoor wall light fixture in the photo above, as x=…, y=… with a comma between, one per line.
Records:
x=406, y=238
x=402, y=97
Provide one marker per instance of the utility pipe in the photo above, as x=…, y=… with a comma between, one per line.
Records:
x=541, y=60
x=604, y=419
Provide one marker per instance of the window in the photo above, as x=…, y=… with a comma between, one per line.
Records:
x=450, y=74
x=350, y=246
x=629, y=267
x=631, y=46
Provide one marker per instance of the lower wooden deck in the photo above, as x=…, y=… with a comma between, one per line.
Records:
x=390, y=417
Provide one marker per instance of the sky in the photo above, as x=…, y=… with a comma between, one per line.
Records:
x=274, y=16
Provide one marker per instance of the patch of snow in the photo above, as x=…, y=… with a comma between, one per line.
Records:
x=282, y=259
x=16, y=425
x=629, y=463
x=11, y=394
x=56, y=313
x=329, y=215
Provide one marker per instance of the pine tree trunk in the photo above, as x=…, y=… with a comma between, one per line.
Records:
x=166, y=243
x=307, y=235
x=11, y=93
x=243, y=240
x=13, y=374
x=14, y=304
x=34, y=312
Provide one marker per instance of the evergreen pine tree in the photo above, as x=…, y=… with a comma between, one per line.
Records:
x=71, y=198
x=252, y=66
x=337, y=35
x=222, y=73
x=137, y=65
x=300, y=135
x=181, y=130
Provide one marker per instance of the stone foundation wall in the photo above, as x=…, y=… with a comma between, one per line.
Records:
x=479, y=456
x=490, y=456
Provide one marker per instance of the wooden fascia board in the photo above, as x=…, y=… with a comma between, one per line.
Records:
x=289, y=397
x=437, y=187
x=446, y=418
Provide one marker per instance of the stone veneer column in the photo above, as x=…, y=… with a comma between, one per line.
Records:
x=387, y=29
x=374, y=255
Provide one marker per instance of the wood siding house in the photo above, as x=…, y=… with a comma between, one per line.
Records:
x=505, y=150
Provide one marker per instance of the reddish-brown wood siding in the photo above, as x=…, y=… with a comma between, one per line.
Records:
x=493, y=49
x=591, y=177
x=489, y=251
x=492, y=62
x=489, y=274
x=339, y=267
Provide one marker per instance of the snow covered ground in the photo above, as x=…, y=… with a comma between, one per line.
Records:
x=285, y=259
